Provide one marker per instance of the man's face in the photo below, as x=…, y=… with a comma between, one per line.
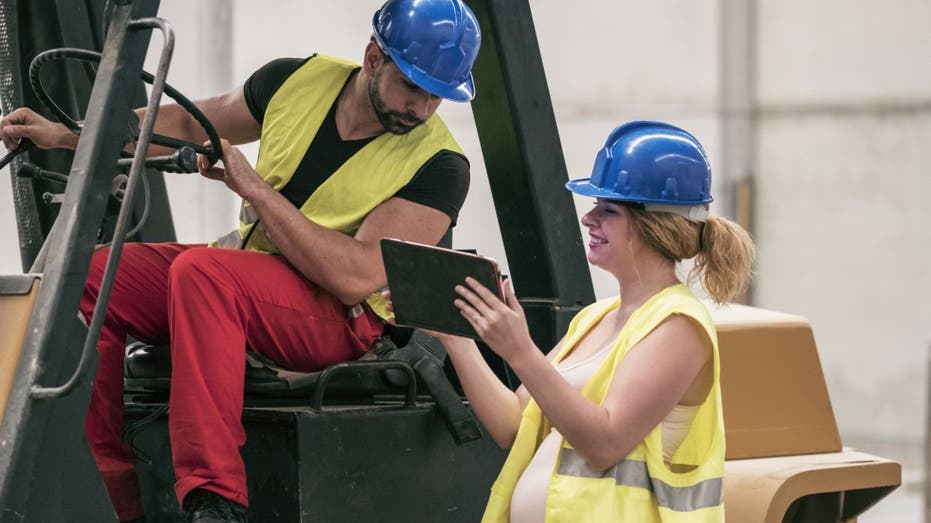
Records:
x=399, y=104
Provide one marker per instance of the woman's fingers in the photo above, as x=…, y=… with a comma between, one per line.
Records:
x=509, y=296
x=486, y=295
x=476, y=320
x=470, y=313
x=473, y=298
x=467, y=309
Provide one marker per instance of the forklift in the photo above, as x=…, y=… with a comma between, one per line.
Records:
x=388, y=440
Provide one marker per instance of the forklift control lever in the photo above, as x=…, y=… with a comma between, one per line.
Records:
x=182, y=161
x=24, y=145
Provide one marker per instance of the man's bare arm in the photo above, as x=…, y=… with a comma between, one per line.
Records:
x=351, y=268
x=348, y=267
x=228, y=112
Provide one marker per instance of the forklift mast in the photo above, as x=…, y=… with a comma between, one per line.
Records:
x=527, y=171
x=42, y=422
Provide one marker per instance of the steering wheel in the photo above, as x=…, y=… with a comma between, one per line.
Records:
x=181, y=162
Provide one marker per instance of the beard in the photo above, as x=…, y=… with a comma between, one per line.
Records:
x=394, y=122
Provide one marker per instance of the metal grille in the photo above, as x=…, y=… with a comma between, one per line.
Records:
x=11, y=97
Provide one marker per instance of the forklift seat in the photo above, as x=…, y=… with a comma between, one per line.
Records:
x=148, y=371
x=385, y=370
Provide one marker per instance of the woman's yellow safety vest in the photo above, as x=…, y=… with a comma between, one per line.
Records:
x=642, y=488
x=368, y=178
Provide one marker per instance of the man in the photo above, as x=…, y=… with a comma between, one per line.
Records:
x=348, y=156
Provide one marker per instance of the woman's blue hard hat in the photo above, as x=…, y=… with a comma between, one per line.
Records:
x=650, y=163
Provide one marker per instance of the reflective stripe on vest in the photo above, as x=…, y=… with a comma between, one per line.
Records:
x=633, y=473
x=248, y=214
x=233, y=240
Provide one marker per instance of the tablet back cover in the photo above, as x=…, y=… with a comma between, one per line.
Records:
x=422, y=280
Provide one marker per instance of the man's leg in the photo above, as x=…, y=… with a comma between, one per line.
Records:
x=138, y=306
x=220, y=301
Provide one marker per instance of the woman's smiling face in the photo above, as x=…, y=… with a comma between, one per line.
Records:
x=609, y=233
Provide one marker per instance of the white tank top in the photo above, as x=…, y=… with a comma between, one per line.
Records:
x=528, y=503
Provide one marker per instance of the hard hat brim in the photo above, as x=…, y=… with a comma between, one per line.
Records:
x=463, y=92
x=584, y=187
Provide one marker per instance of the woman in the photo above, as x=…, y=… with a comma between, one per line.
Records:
x=622, y=420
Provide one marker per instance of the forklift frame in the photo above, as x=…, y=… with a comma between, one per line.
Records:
x=526, y=168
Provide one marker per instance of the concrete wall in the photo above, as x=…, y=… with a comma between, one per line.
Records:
x=842, y=209
x=842, y=121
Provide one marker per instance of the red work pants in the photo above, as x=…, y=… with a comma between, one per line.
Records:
x=209, y=304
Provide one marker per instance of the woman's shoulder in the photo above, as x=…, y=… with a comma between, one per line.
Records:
x=679, y=299
x=679, y=306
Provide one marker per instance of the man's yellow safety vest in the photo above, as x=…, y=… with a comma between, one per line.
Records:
x=368, y=178
x=642, y=488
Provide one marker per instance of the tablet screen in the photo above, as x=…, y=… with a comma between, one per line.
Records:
x=422, y=279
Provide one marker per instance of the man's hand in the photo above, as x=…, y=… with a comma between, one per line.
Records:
x=24, y=123
x=235, y=171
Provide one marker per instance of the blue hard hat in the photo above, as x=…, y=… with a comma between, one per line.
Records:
x=433, y=42
x=652, y=163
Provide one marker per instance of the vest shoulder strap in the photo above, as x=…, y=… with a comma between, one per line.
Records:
x=295, y=113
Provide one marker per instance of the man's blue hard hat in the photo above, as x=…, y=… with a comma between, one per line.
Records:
x=433, y=42
x=651, y=163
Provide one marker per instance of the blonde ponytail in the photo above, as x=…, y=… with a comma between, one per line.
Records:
x=723, y=250
x=725, y=260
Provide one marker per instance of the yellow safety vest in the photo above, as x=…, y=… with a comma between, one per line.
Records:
x=642, y=488
x=368, y=178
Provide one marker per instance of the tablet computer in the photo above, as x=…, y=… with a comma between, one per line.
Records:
x=422, y=279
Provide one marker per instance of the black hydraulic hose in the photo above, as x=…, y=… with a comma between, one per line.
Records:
x=35, y=80
x=31, y=170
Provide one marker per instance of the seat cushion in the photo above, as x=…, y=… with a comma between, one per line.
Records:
x=147, y=368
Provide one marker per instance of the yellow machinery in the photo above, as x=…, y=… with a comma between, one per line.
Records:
x=785, y=461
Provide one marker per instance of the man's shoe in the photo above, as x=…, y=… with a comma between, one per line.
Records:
x=208, y=507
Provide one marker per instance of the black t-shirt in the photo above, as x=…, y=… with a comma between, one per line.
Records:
x=441, y=183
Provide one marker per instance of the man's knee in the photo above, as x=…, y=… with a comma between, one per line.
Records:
x=99, y=263
x=132, y=253
x=194, y=264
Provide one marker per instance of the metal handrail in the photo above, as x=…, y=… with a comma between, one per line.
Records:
x=316, y=401
x=141, y=150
